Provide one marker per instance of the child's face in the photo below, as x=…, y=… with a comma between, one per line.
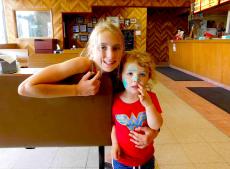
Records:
x=132, y=75
x=109, y=51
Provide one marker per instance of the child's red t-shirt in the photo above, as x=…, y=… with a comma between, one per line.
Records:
x=127, y=117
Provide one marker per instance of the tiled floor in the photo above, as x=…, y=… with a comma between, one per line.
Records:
x=195, y=135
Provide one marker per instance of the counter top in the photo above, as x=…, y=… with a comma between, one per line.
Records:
x=77, y=50
x=28, y=70
x=22, y=71
x=202, y=41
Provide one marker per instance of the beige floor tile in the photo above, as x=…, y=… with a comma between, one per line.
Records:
x=214, y=135
x=179, y=166
x=213, y=166
x=188, y=135
x=222, y=148
x=8, y=157
x=38, y=158
x=71, y=157
x=93, y=158
x=165, y=137
x=171, y=154
x=68, y=168
x=201, y=153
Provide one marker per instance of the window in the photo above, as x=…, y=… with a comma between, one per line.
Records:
x=34, y=24
x=2, y=25
x=228, y=23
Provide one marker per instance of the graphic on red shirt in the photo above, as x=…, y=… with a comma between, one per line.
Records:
x=132, y=122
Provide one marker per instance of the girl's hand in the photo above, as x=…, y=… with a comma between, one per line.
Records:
x=87, y=86
x=144, y=96
x=115, y=151
x=143, y=140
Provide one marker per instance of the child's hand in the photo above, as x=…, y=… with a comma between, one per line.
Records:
x=87, y=85
x=144, y=96
x=115, y=151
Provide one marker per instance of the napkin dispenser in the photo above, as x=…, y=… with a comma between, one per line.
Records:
x=8, y=66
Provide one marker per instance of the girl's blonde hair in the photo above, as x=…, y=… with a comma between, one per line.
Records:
x=143, y=59
x=102, y=25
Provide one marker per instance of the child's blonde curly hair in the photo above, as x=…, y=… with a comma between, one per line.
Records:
x=143, y=59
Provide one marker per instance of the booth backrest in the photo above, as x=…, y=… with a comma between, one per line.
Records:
x=9, y=46
x=67, y=121
x=40, y=60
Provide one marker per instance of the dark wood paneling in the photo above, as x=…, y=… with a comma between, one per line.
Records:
x=162, y=27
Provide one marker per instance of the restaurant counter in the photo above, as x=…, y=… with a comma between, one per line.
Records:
x=206, y=58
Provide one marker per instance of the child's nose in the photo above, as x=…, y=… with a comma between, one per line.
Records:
x=135, y=78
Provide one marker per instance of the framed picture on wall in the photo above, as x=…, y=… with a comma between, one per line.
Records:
x=94, y=20
x=80, y=19
x=89, y=29
x=121, y=20
x=83, y=38
x=133, y=20
x=89, y=24
x=75, y=29
x=83, y=28
x=114, y=19
x=127, y=22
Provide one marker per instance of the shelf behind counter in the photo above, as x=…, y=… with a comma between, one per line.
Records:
x=206, y=58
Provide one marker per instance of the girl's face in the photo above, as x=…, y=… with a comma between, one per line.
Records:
x=132, y=75
x=109, y=51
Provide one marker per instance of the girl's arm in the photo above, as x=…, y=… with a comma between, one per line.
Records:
x=44, y=83
x=143, y=136
x=154, y=118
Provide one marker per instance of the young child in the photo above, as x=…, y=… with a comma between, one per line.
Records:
x=134, y=107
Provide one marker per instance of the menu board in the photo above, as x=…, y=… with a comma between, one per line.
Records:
x=204, y=4
x=200, y=5
x=213, y=3
x=197, y=6
x=222, y=1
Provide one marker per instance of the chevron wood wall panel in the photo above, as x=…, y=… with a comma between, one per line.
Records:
x=114, y=3
x=139, y=13
x=144, y=3
x=160, y=3
x=162, y=26
x=59, y=6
